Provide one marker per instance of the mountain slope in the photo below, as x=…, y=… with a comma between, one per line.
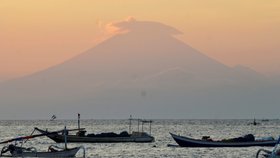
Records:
x=145, y=71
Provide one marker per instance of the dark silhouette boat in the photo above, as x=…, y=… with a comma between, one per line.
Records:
x=110, y=137
x=255, y=123
x=183, y=141
x=138, y=137
x=17, y=149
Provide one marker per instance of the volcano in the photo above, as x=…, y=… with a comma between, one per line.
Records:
x=143, y=71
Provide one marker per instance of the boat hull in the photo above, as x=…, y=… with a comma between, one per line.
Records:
x=80, y=139
x=137, y=138
x=189, y=142
x=64, y=153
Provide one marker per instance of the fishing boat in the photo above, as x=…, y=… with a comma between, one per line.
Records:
x=13, y=150
x=255, y=123
x=81, y=137
x=183, y=141
x=275, y=153
x=53, y=151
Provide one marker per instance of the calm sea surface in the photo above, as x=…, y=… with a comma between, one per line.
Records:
x=217, y=129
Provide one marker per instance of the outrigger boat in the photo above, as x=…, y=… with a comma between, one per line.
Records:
x=190, y=142
x=275, y=153
x=53, y=151
x=13, y=150
x=81, y=137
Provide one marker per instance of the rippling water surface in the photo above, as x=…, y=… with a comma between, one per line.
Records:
x=217, y=129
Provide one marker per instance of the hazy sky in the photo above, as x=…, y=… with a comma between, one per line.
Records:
x=37, y=34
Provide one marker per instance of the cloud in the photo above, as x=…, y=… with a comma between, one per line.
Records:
x=114, y=27
x=130, y=24
x=111, y=29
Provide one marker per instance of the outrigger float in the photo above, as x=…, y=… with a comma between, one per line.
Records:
x=13, y=150
x=275, y=153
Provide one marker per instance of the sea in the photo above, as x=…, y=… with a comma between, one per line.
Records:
x=216, y=129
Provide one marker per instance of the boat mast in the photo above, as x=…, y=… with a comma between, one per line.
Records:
x=65, y=138
x=138, y=125
x=142, y=126
x=150, y=123
x=79, y=121
x=142, y=121
x=150, y=127
x=130, y=118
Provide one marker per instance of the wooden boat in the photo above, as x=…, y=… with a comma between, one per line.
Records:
x=80, y=137
x=12, y=150
x=138, y=137
x=255, y=123
x=15, y=151
x=190, y=142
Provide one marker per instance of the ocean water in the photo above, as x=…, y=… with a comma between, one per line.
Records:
x=217, y=129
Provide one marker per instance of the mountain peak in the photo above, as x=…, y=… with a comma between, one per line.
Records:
x=148, y=27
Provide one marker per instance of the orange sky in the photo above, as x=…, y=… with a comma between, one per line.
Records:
x=37, y=34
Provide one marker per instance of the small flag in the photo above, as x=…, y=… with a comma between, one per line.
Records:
x=53, y=118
